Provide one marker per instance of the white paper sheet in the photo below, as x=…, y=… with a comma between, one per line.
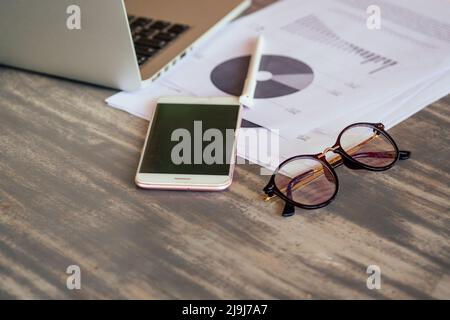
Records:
x=329, y=63
x=342, y=92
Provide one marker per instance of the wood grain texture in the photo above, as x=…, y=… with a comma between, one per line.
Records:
x=67, y=196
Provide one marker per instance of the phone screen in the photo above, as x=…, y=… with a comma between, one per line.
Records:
x=191, y=139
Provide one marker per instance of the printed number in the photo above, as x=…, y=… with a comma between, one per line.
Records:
x=246, y=309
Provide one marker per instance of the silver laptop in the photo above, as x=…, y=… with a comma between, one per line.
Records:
x=122, y=44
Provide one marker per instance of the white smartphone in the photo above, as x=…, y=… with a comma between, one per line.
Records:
x=190, y=144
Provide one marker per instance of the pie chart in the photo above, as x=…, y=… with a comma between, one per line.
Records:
x=279, y=76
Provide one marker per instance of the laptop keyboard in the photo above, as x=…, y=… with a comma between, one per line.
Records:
x=151, y=36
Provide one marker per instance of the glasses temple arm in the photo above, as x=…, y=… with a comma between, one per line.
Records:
x=404, y=155
x=288, y=210
x=294, y=181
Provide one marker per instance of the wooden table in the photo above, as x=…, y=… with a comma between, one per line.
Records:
x=67, y=197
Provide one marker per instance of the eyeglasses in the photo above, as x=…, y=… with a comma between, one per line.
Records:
x=310, y=181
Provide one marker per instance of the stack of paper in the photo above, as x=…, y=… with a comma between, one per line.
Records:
x=324, y=67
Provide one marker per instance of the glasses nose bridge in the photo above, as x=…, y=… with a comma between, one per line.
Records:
x=329, y=149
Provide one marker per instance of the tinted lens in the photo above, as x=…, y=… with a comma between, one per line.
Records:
x=369, y=146
x=307, y=181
